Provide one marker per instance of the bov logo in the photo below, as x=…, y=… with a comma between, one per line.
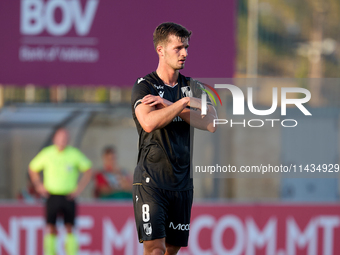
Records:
x=38, y=15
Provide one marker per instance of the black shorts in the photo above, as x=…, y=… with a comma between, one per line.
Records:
x=162, y=213
x=58, y=205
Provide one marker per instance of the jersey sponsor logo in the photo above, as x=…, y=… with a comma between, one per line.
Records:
x=187, y=92
x=177, y=119
x=161, y=93
x=158, y=86
x=179, y=226
x=140, y=80
x=147, y=228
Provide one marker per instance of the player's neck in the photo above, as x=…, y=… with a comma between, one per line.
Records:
x=168, y=75
x=60, y=148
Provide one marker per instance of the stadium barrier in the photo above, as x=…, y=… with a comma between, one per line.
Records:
x=215, y=229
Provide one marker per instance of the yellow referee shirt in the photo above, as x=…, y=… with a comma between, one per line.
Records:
x=61, y=168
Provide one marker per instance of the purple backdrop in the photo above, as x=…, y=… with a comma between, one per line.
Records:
x=104, y=42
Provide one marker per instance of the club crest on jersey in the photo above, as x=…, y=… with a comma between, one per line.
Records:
x=147, y=228
x=187, y=92
x=161, y=93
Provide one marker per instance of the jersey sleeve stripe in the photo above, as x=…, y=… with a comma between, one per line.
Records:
x=137, y=103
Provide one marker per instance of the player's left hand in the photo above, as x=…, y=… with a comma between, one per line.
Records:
x=73, y=195
x=156, y=101
x=195, y=103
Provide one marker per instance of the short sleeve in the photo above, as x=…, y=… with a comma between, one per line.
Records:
x=84, y=163
x=38, y=162
x=139, y=90
x=198, y=89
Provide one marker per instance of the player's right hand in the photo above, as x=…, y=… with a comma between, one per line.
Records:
x=41, y=190
x=156, y=101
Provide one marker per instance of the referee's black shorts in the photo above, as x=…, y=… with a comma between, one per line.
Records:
x=162, y=213
x=60, y=205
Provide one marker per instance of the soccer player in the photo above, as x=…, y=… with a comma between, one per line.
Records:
x=166, y=107
x=61, y=165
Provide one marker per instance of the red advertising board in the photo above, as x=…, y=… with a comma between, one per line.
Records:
x=215, y=229
x=100, y=42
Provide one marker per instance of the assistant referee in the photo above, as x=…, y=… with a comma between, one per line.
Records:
x=61, y=165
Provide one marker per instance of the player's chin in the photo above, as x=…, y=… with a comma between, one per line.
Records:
x=181, y=66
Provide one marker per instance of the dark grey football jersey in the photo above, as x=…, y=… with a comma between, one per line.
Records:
x=164, y=158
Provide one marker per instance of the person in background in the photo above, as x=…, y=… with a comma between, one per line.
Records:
x=61, y=165
x=112, y=182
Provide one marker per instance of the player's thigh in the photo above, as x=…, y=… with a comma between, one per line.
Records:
x=150, y=208
x=52, y=207
x=69, y=210
x=178, y=222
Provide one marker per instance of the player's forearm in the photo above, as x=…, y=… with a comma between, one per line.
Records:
x=195, y=119
x=85, y=179
x=38, y=185
x=162, y=117
x=35, y=178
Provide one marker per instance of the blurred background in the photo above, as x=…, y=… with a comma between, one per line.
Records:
x=72, y=63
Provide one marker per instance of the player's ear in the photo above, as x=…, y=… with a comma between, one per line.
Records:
x=160, y=50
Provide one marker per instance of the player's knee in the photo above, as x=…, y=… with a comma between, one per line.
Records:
x=172, y=250
x=158, y=251
x=69, y=228
x=51, y=229
x=154, y=247
x=155, y=251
